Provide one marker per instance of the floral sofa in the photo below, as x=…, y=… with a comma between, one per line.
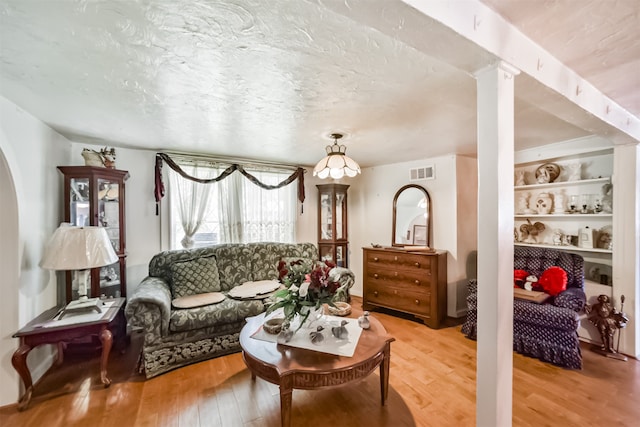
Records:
x=547, y=331
x=175, y=337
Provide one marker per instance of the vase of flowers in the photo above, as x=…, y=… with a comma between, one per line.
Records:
x=307, y=289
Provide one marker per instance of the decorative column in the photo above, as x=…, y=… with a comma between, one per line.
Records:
x=626, y=243
x=495, y=245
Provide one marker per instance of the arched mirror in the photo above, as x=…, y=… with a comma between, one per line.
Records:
x=411, y=217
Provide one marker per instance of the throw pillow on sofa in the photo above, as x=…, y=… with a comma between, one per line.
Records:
x=199, y=300
x=195, y=276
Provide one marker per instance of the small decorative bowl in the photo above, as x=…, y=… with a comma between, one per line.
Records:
x=340, y=309
x=273, y=326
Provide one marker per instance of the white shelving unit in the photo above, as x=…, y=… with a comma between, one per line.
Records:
x=596, y=171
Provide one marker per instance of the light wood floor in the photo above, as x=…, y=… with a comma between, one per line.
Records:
x=432, y=384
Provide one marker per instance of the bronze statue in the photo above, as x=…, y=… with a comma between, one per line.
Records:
x=607, y=319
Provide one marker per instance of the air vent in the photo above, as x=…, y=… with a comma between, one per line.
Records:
x=419, y=174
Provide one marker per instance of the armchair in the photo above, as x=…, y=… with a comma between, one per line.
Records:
x=545, y=331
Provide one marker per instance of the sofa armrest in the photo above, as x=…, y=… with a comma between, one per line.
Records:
x=346, y=278
x=149, y=308
x=572, y=298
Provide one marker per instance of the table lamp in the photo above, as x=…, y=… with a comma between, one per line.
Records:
x=81, y=249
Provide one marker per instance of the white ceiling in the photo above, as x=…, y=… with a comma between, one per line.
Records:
x=272, y=79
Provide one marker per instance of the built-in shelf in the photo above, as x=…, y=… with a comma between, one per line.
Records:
x=598, y=215
x=563, y=183
x=564, y=248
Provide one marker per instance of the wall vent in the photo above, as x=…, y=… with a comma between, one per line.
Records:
x=419, y=174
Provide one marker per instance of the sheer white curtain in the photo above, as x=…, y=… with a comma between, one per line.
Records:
x=230, y=208
x=249, y=213
x=193, y=198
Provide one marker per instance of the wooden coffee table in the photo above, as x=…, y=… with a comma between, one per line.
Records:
x=291, y=367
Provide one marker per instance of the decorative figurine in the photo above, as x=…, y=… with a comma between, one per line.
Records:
x=363, y=321
x=341, y=331
x=316, y=336
x=520, y=178
x=574, y=171
x=530, y=232
x=547, y=173
x=558, y=202
x=285, y=334
x=544, y=202
x=523, y=203
x=607, y=319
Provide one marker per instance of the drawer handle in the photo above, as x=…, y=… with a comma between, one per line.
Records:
x=428, y=273
x=395, y=258
x=375, y=276
x=417, y=282
x=375, y=293
x=376, y=259
x=417, y=302
x=417, y=264
x=395, y=291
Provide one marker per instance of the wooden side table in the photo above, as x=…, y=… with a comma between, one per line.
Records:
x=105, y=325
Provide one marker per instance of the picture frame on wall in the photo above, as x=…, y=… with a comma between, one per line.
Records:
x=420, y=235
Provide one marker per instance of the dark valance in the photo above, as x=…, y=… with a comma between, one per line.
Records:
x=160, y=190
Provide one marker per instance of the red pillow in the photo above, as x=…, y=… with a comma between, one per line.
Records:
x=553, y=280
x=519, y=278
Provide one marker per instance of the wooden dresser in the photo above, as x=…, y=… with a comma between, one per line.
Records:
x=413, y=282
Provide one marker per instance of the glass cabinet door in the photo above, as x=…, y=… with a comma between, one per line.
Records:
x=109, y=210
x=332, y=223
x=80, y=202
x=326, y=217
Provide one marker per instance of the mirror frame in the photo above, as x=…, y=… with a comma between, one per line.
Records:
x=395, y=201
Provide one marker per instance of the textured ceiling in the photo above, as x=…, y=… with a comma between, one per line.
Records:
x=272, y=80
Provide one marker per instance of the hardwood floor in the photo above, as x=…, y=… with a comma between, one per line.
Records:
x=432, y=383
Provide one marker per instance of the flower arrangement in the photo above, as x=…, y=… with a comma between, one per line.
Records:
x=305, y=290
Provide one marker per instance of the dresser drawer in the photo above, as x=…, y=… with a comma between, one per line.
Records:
x=397, y=261
x=399, y=298
x=405, y=278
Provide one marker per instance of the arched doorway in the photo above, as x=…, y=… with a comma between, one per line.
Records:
x=9, y=285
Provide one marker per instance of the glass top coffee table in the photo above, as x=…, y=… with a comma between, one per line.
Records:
x=291, y=367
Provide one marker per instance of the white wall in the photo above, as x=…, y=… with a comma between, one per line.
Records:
x=32, y=151
x=371, y=212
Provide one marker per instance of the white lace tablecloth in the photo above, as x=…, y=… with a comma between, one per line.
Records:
x=330, y=344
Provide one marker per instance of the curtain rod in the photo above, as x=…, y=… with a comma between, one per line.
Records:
x=231, y=160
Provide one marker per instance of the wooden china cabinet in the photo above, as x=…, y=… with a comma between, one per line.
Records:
x=96, y=196
x=333, y=240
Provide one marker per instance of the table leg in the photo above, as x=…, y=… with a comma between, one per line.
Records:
x=62, y=346
x=19, y=362
x=286, y=392
x=384, y=374
x=106, y=338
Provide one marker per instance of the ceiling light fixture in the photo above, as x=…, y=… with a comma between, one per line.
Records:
x=336, y=164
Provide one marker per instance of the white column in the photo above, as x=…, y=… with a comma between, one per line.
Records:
x=626, y=242
x=495, y=245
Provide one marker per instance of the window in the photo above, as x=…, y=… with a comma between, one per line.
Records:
x=232, y=210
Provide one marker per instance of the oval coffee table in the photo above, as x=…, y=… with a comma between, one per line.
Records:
x=291, y=367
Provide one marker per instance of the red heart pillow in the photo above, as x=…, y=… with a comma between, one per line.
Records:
x=519, y=278
x=553, y=280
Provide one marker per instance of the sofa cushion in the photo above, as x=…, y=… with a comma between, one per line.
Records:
x=195, y=276
x=198, y=300
x=226, y=312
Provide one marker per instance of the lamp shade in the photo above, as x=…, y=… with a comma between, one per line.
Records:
x=78, y=248
x=336, y=164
